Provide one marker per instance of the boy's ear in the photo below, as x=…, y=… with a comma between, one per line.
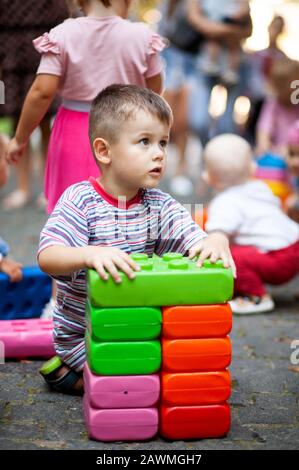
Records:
x=101, y=151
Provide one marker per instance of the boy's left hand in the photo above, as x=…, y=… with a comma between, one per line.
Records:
x=215, y=247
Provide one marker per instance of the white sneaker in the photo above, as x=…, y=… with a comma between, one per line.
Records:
x=181, y=186
x=47, y=312
x=251, y=305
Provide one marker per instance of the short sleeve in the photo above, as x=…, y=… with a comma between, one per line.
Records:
x=224, y=216
x=177, y=232
x=50, y=45
x=154, y=62
x=67, y=226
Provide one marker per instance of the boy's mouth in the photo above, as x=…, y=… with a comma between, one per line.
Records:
x=157, y=171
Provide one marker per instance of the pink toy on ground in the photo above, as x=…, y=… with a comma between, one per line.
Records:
x=129, y=391
x=25, y=338
x=131, y=424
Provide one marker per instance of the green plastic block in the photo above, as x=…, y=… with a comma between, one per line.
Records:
x=167, y=281
x=124, y=323
x=123, y=358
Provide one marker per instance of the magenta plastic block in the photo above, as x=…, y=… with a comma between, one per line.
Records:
x=132, y=424
x=126, y=391
x=24, y=338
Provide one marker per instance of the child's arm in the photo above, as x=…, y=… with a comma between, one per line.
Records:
x=155, y=83
x=215, y=246
x=213, y=29
x=37, y=102
x=61, y=260
x=12, y=269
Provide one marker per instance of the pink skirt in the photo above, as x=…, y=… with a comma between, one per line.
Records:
x=70, y=159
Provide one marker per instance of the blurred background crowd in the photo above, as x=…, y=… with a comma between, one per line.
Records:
x=228, y=68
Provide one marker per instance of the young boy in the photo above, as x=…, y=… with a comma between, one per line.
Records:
x=264, y=241
x=7, y=265
x=99, y=223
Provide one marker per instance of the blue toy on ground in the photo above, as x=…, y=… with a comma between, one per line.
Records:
x=25, y=299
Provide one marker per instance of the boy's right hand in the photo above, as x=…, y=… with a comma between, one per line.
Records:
x=15, y=150
x=108, y=260
x=12, y=269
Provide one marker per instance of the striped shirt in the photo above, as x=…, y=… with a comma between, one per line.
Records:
x=153, y=222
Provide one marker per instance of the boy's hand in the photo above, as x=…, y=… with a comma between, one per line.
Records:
x=12, y=269
x=214, y=247
x=15, y=150
x=108, y=260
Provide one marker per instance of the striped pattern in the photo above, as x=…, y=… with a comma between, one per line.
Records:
x=158, y=224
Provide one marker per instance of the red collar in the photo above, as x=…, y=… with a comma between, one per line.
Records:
x=111, y=199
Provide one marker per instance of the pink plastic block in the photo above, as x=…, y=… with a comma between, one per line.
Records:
x=127, y=391
x=132, y=424
x=24, y=338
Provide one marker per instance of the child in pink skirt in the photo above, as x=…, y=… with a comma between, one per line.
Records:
x=80, y=57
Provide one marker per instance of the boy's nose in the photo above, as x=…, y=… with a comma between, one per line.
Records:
x=158, y=153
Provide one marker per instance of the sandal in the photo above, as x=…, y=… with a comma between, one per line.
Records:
x=63, y=384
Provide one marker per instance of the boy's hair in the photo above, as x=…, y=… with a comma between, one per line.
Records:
x=116, y=104
x=229, y=161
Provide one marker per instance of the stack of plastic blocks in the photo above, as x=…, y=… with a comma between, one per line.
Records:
x=24, y=299
x=274, y=171
x=124, y=352
x=196, y=352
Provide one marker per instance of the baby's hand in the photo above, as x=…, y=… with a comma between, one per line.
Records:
x=108, y=260
x=215, y=246
x=15, y=150
x=12, y=269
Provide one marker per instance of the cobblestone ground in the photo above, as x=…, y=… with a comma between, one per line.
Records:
x=264, y=402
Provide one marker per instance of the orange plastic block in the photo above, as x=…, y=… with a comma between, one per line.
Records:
x=195, y=422
x=197, y=321
x=198, y=388
x=196, y=355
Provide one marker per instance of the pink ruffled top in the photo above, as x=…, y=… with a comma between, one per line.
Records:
x=91, y=53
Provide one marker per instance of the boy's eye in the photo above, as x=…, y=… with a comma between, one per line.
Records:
x=144, y=141
x=163, y=143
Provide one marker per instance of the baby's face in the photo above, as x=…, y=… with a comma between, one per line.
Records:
x=293, y=159
x=138, y=159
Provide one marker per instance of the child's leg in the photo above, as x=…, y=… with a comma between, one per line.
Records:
x=255, y=268
x=64, y=372
x=230, y=74
x=233, y=57
x=211, y=57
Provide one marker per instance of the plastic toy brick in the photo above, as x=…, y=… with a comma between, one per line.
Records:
x=123, y=358
x=26, y=338
x=124, y=324
x=126, y=391
x=197, y=388
x=27, y=298
x=132, y=424
x=197, y=321
x=171, y=280
x=196, y=355
x=195, y=422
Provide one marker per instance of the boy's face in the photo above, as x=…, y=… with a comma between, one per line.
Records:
x=138, y=158
x=293, y=159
